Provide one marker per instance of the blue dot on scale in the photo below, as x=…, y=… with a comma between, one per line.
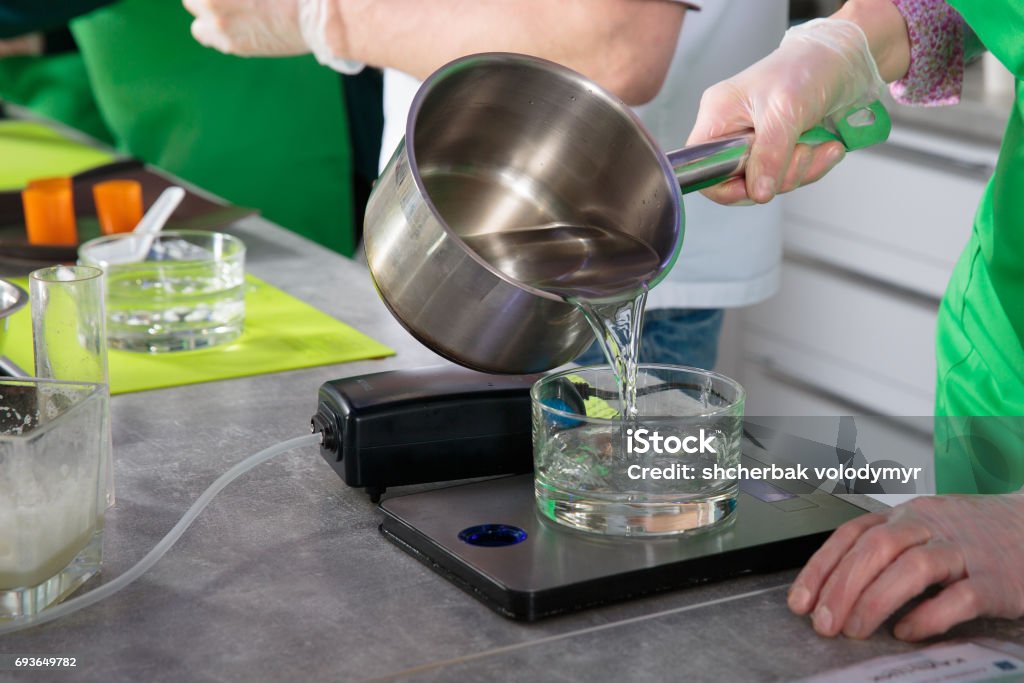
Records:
x=492, y=535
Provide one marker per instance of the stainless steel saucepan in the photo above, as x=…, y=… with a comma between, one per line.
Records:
x=501, y=142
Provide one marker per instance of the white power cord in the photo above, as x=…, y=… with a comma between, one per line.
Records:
x=153, y=556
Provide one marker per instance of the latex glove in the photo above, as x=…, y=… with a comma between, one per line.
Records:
x=821, y=68
x=248, y=27
x=273, y=27
x=973, y=546
x=323, y=27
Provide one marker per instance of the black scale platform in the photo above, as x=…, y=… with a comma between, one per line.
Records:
x=554, y=569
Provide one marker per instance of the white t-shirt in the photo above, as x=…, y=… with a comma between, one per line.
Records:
x=731, y=256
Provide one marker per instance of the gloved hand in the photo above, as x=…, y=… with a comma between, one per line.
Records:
x=248, y=27
x=821, y=68
x=973, y=546
x=273, y=27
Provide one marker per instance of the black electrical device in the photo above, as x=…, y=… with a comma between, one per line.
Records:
x=425, y=425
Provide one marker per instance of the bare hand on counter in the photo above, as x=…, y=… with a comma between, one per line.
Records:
x=973, y=546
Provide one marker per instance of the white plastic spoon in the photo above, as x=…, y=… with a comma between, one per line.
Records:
x=135, y=248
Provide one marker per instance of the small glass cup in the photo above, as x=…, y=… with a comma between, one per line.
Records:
x=52, y=492
x=68, y=334
x=67, y=323
x=653, y=475
x=188, y=293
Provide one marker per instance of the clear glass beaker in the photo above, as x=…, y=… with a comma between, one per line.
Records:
x=69, y=334
x=661, y=473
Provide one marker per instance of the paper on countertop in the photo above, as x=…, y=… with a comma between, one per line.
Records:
x=281, y=333
x=982, y=660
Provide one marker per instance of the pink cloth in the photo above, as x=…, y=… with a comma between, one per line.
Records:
x=936, y=71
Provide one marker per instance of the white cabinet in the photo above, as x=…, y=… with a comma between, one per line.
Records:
x=849, y=337
x=896, y=214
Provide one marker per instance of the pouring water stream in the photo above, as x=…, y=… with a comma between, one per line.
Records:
x=604, y=273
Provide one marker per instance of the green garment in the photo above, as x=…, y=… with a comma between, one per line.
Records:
x=54, y=86
x=980, y=337
x=269, y=133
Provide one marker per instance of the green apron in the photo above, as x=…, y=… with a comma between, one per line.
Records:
x=268, y=133
x=979, y=426
x=54, y=86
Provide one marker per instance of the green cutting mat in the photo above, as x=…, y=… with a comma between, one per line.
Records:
x=281, y=333
x=40, y=153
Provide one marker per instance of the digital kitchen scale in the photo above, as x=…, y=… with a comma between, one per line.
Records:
x=488, y=538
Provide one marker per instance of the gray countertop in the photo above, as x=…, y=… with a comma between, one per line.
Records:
x=286, y=577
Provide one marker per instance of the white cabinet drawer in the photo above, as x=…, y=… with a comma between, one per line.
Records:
x=892, y=214
x=862, y=342
x=815, y=416
x=771, y=394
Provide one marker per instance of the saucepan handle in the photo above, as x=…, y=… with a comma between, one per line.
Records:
x=709, y=163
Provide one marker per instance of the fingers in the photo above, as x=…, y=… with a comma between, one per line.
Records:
x=208, y=36
x=799, y=165
x=906, y=578
x=245, y=27
x=732, y=192
x=804, y=593
x=207, y=29
x=823, y=160
x=807, y=165
x=194, y=7
x=957, y=603
x=723, y=109
x=876, y=549
x=770, y=158
x=777, y=163
x=868, y=569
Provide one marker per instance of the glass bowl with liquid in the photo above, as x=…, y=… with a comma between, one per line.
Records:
x=661, y=469
x=187, y=293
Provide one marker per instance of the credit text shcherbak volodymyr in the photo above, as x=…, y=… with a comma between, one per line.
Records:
x=643, y=441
